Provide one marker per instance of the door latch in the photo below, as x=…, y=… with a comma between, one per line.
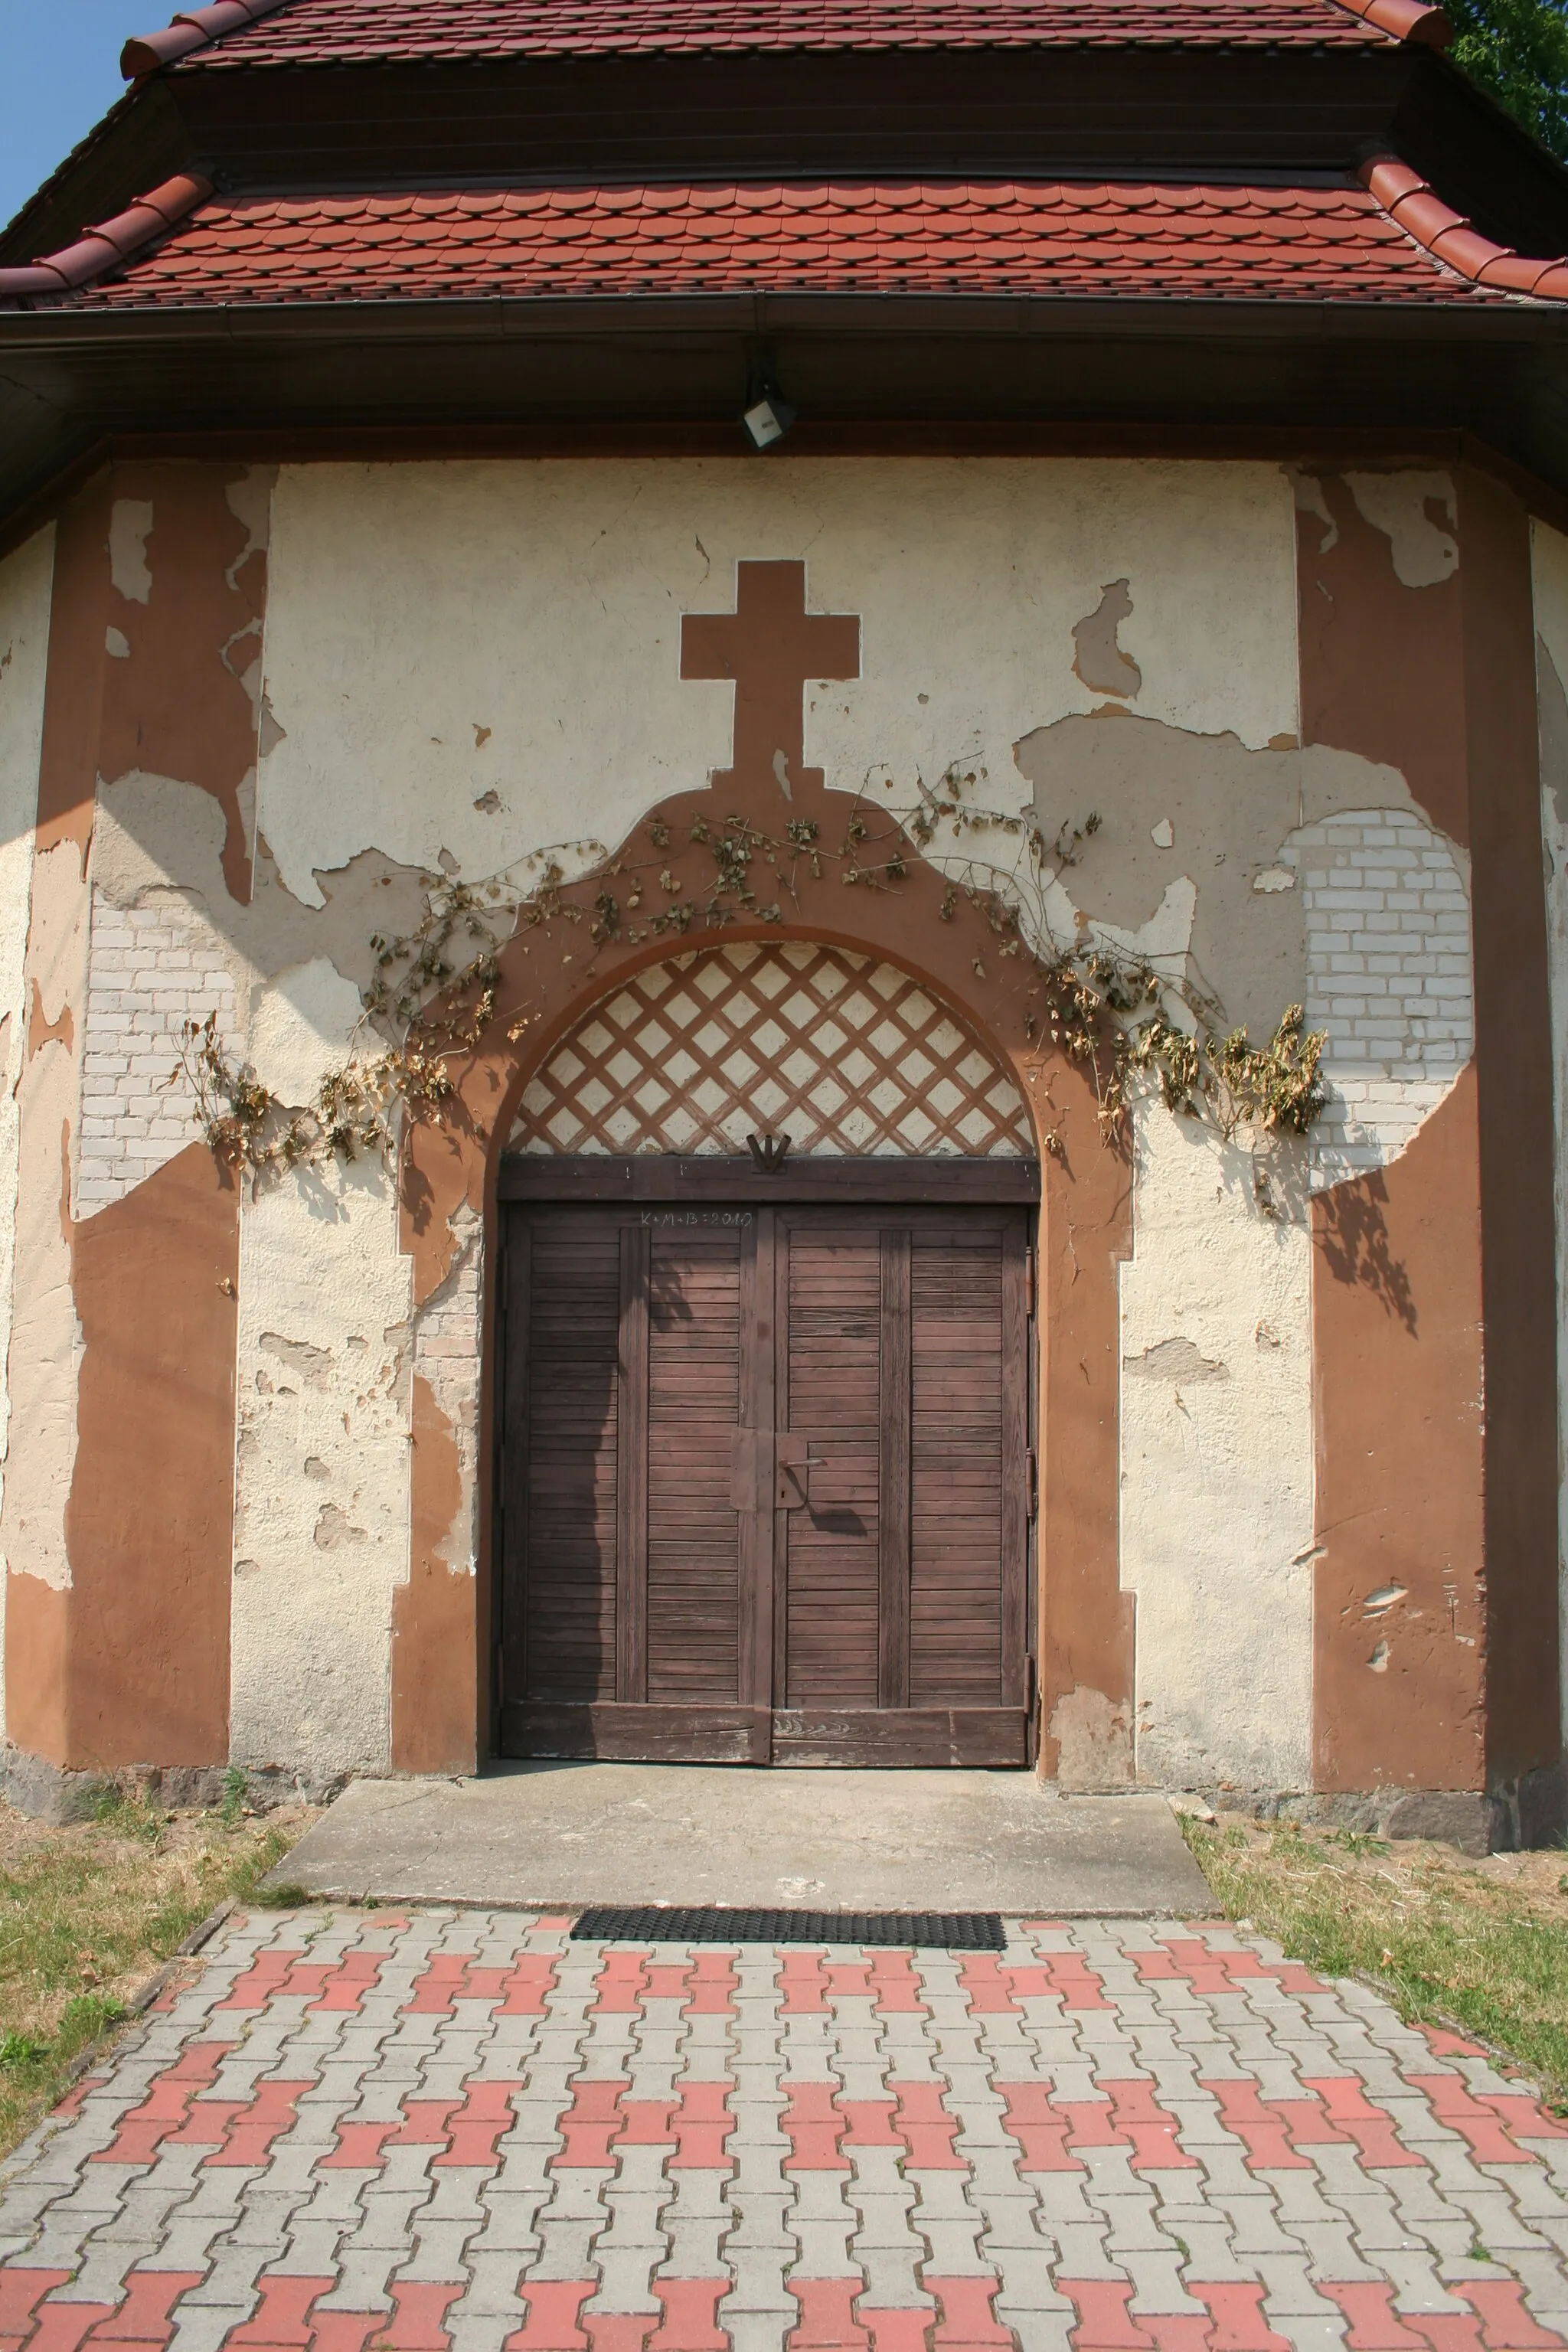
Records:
x=793, y=1458
x=779, y=1457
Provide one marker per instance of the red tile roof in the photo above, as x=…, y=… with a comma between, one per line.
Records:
x=110, y=242
x=1279, y=245
x=1407, y=198
x=305, y=32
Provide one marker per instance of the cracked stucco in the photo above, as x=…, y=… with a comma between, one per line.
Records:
x=321, y=1491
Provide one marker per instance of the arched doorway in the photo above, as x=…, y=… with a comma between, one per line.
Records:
x=766, y=1478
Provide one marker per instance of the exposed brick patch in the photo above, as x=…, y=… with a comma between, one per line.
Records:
x=1389, y=978
x=152, y=969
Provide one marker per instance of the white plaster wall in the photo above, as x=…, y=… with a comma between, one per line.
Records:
x=26, y=579
x=437, y=634
x=483, y=660
x=1217, y=1460
x=321, y=1530
x=1549, y=561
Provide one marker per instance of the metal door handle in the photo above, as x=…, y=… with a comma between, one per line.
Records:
x=790, y=1487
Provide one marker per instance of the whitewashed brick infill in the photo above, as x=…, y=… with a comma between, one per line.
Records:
x=1389, y=978
x=153, y=968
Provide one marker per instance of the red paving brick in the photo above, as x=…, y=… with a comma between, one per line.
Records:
x=628, y=2117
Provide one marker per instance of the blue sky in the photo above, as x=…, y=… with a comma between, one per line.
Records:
x=61, y=72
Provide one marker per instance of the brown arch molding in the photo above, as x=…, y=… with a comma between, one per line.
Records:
x=548, y=976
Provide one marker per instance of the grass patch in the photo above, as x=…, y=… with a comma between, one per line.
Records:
x=1480, y=1944
x=89, y=1912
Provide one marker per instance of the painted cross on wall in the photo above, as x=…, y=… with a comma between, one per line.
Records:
x=771, y=647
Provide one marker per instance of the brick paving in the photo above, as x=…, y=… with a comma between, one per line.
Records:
x=459, y=2129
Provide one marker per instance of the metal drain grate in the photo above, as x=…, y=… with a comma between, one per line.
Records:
x=952, y=1931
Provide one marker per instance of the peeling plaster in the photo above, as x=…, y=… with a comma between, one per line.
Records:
x=449, y=1330
x=1415, y=512
x=1180, y=1361
x=375, y=665
x=372, y=771
x=1256, y=935
x=281, y=977
x=26, y=580
x=248, y=497
x=45, y=1340
x=1230, y=808
x=311, y=1364
x=1217, y=1461
x=1101, y=661
x=303, y=1024
x=323, y=1488
x=334, y=1529
x=130, y=525
x=1094, y=1740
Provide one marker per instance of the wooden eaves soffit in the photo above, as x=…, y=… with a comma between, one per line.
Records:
x=1282, y=226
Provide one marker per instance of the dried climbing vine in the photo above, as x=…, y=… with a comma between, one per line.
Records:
x=435, y=1003
x=1128, y=1024
x=1117, y=1015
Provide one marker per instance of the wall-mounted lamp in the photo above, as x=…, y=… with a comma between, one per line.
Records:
x=767, y=415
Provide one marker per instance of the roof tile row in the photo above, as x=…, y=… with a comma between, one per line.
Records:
x=304, y=32
x=1319, y=245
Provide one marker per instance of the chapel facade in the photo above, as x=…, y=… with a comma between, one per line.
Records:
x=784, y=902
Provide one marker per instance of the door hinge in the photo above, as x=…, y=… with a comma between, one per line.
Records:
x=1034, y=1465
x=1029, y=1283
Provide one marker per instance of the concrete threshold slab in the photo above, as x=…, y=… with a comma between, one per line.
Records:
x=565, y=1835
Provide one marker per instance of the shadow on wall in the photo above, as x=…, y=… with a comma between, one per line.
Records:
x=1353, y=1238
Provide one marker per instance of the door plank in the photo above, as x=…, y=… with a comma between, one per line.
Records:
x=956, y=1600
x=912, y=1739
x=893, y=1495
x=514, y=1467
x=631, y=1493
x=697, y=1300
x=570, y=1403
x=617, y=1733
x=1015, y=1309
x=830, y=1376
x=755, y=1528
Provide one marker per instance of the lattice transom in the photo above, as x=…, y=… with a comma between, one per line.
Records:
x=841, y=1053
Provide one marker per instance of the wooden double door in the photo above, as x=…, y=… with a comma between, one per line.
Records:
x=766, y=1487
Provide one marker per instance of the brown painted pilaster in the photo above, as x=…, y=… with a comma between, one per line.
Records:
x=1399, y=1629
x=122, y=1355
x=149, y=1523
x=1086, y=1665
x=1381, y=673
x=435, y=1702
x=1514, y=1065
x=1433, y=1288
